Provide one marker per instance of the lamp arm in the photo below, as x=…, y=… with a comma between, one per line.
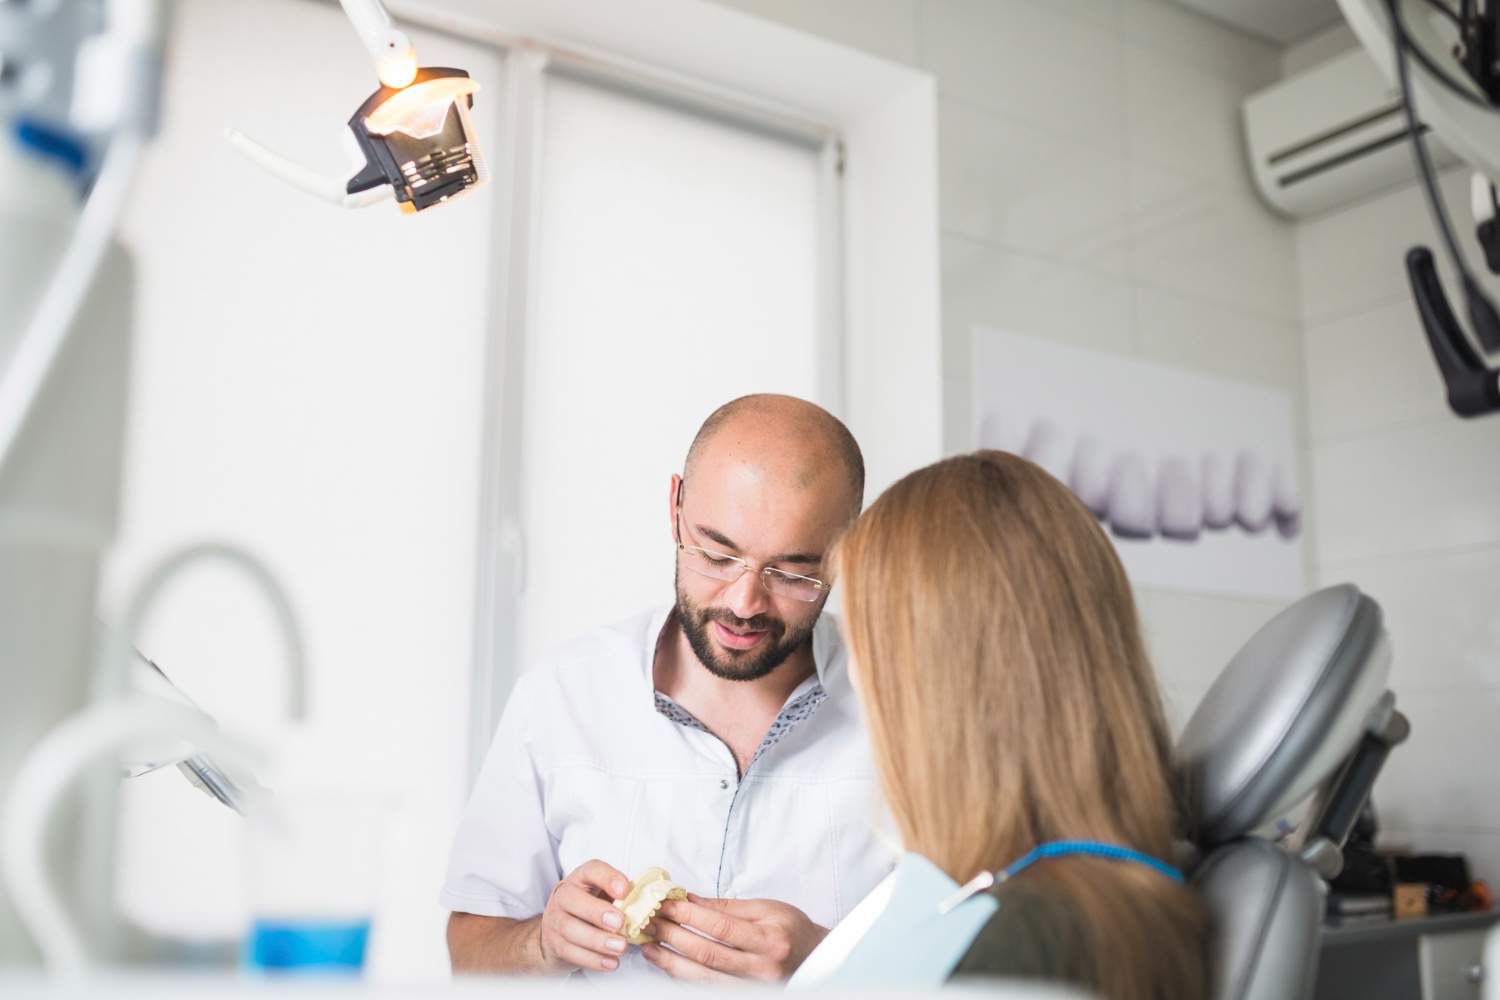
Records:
x=394, y=56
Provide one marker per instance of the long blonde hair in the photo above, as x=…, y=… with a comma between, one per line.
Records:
x=1010, y=702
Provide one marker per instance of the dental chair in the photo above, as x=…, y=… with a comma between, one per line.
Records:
x=1301, y=711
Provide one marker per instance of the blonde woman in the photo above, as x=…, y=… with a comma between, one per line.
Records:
x=1017, y=729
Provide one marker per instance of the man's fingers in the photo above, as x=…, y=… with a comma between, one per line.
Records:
x=607, y=879
x=715, y=922
x=679, y=966
x=582, y=958
x=587, y=936
x=701, y=951
x=745, y=909
x=579, y=902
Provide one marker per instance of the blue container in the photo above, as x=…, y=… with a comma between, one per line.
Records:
x=334, y=947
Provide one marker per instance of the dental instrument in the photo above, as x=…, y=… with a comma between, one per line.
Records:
x=1456, y=90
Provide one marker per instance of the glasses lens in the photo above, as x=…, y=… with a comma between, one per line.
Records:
x=796, y=587
x=718, y=567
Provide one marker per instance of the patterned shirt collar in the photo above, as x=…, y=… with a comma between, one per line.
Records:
x=796, y=711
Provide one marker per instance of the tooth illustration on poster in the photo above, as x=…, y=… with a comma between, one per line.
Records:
x=1179, y=501
x=1218, y=492
x=1090, y=474
x=1047, y=446
x=1193, y=476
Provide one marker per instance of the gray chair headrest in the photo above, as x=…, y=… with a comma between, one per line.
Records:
x=1285, y=713
x=1267, y=907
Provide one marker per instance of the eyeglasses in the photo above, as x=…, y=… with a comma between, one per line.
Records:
x=719, y=566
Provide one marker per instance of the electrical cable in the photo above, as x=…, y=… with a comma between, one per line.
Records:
x=1442, y=77
x=1457, y=360
x=1419, y=144
x=1433, y=68
x=1446, y=11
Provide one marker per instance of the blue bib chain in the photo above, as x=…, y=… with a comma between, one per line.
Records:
x=1055, y=849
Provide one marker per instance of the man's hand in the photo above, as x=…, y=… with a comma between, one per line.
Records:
x=746, y=939
x=580, y=927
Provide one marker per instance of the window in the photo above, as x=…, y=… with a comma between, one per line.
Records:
x=676, y=267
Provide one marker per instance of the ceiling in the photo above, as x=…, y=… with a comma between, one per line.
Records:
x=1280, y=21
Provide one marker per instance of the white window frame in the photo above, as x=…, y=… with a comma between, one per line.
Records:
x=876, y=123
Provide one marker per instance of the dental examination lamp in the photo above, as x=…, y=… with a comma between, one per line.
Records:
x=1445, y=59
x=412, y=138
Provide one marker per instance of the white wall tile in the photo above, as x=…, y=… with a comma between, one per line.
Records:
x=1355, y=258
x=1185, y=116
x=1191, y=333
x=1105, y=13
x=958, y=415
x=1179, y=703
x=1188, y=37
x=1417, y=488
x=1032, y=61
x=1442, y=612
x=1207, y=241
x=1192, y=637
x=1406, y=502
x=884, y=27
x=986, y=285
x=1162, y=197
x=1317, y=48
x=1440, y=777
x=1369, y=370
x=1025, y=188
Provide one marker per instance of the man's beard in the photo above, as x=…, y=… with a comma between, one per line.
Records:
x=748, y=665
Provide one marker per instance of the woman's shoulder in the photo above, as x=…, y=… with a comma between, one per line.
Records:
x=1033, y=934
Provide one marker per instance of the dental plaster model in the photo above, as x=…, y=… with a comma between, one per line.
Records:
x=643, y=900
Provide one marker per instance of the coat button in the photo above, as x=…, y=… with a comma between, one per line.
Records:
x=723, y=782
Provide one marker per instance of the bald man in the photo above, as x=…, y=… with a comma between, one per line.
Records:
x=717, y=738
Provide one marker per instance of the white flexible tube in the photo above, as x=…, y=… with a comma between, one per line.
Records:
x=38, y=785
x=24, y=378
x=112, y=670
x=329, y=189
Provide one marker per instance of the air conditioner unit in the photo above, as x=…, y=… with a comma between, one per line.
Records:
x=1329, y=136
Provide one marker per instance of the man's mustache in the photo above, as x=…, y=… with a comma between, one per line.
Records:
x=760, y=623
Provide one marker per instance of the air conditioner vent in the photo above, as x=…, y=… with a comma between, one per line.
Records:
x=1330, y=136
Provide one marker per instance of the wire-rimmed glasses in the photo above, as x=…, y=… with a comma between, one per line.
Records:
x=726, y=568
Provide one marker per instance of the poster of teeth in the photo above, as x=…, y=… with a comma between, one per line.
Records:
x=1194, y=476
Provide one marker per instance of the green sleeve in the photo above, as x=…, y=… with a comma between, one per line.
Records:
x=1030, y=937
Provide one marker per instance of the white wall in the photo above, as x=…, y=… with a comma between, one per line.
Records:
x=1407, y=502
x=310, y=383
x=307, y=383
x=1094, y=190
x=1316, y=48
